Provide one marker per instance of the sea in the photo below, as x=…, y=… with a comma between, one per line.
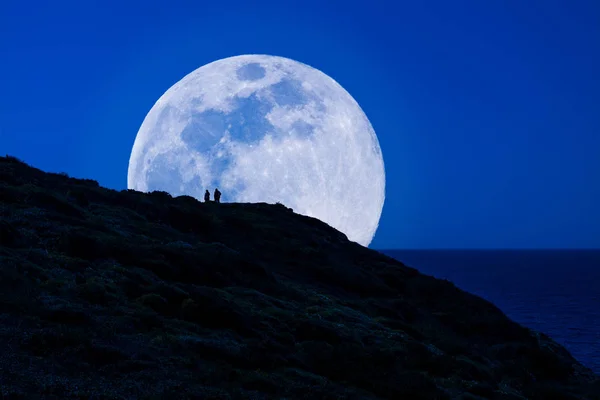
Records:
x=552, y=291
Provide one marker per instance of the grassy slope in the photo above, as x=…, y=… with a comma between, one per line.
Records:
x=111, y=295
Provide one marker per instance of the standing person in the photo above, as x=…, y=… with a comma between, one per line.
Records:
x=206, y=196
x=217, y=195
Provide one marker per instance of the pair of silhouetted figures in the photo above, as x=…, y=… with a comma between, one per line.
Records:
x=217, y=196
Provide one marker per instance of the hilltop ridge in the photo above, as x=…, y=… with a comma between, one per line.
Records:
x=110, y=294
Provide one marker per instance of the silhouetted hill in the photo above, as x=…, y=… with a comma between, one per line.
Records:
x=126, y=295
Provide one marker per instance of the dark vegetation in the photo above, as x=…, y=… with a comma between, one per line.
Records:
x=124, y=295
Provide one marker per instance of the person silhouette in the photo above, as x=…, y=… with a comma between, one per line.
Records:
x=217, y=195
x=206, y=196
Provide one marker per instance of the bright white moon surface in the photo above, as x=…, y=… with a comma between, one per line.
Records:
x=265, y=129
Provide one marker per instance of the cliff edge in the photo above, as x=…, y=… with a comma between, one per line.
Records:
x=127, y=295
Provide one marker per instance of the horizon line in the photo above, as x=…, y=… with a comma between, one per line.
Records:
x=491, y=249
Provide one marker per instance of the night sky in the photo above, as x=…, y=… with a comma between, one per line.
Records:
x=487, y=112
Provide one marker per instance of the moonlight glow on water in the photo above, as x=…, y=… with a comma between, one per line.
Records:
x=265, y=129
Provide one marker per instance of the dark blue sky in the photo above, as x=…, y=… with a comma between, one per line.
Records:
x=487, y=112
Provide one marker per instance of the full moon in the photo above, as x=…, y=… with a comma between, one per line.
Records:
x=265, y=129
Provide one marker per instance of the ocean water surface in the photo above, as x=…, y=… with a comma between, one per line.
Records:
x=553, y=291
